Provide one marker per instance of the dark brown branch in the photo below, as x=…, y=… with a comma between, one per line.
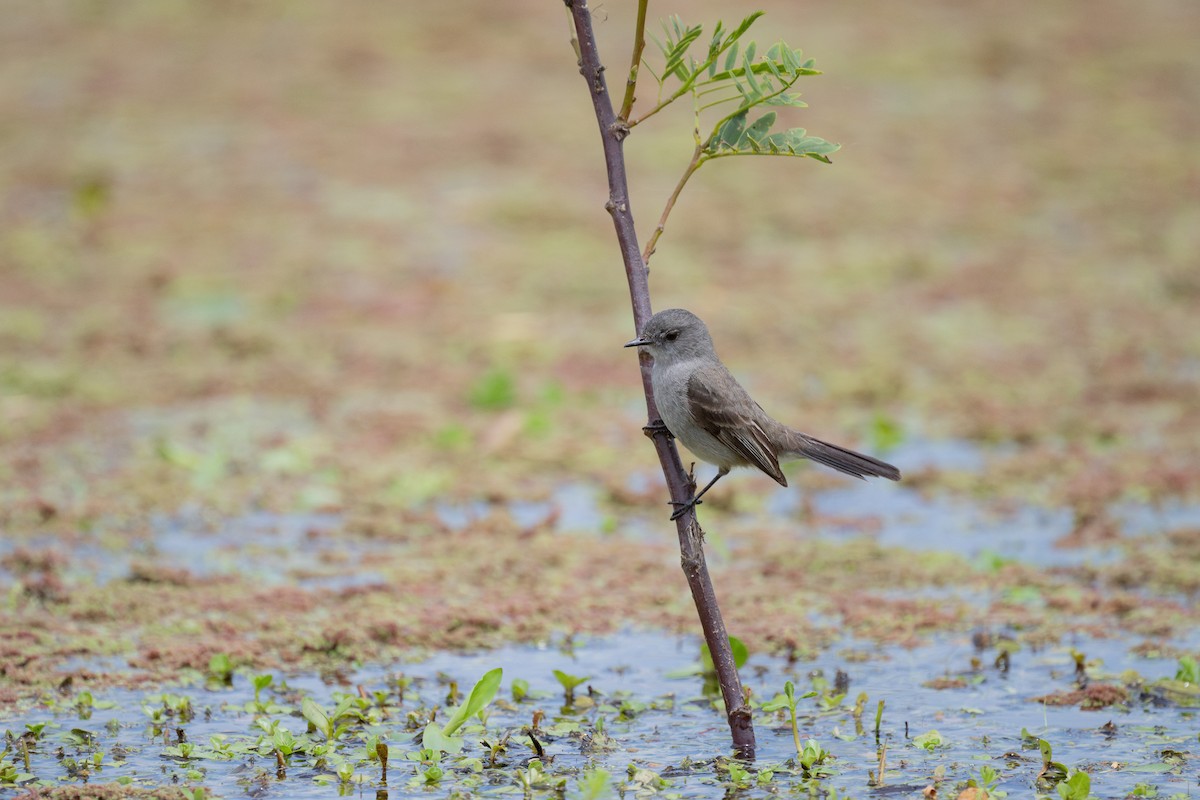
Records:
x=612, y=133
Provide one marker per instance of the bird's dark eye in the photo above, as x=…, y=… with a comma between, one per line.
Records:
x=671, y=336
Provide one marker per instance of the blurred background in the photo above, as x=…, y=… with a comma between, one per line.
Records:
x=346, y=265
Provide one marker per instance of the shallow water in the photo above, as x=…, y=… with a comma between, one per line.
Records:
x=980, y=724
x=297, y=549
x=906, y=518
x=668, y=722
x=894, y=514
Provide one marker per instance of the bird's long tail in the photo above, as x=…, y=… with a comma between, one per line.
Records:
x=840, y=458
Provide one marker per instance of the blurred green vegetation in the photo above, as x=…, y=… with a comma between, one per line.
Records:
x=353, y=256
x=1003, y=249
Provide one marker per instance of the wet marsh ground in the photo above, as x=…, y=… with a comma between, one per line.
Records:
x=310, y=327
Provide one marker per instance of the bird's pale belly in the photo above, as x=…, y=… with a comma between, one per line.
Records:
x=708, y=449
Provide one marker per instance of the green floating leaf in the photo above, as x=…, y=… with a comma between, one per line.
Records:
x=741, y=654
x=1155, y=768
x=706, y=666
x=684, y=672
x=436, y=740
x=930, y=740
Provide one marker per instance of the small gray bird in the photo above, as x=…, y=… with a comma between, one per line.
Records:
x=705, y=407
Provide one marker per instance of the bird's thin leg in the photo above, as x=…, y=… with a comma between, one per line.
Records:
x=695, y=501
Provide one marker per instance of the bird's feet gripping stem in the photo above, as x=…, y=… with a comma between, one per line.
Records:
x=695, y=501
x=683, y=508
x=655, y=428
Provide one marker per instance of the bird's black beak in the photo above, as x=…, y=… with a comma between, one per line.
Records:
x=638, y=342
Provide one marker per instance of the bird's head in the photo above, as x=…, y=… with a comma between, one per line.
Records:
x=674, y=335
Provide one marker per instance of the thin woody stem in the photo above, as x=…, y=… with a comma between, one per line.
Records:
x=635, y=63
x=697, y=160
x=612, y=133
x=661, y=105
x=700, y=155
x=687, y=86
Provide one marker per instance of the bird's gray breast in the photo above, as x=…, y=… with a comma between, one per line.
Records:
x=670, y=395
x=670, y=383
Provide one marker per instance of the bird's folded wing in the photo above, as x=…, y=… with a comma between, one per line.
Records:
x=721, y=407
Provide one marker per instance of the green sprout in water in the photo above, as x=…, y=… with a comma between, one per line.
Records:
x=570, y=683
x=593, y=784
x=330, y=725
x=433, y=771
x=534, y=776
x=10, y=775
x=1052, y=772
x=259, y=705
x=930, y=740
x=985, y=785
x=439, y=739
x=739, y=776
x=220, y=669
x=813, y=758
x=495, y=748
x=707, y=668
x=1078, y=786
x=829, y=700
x=85, y=703
x=789, y=700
